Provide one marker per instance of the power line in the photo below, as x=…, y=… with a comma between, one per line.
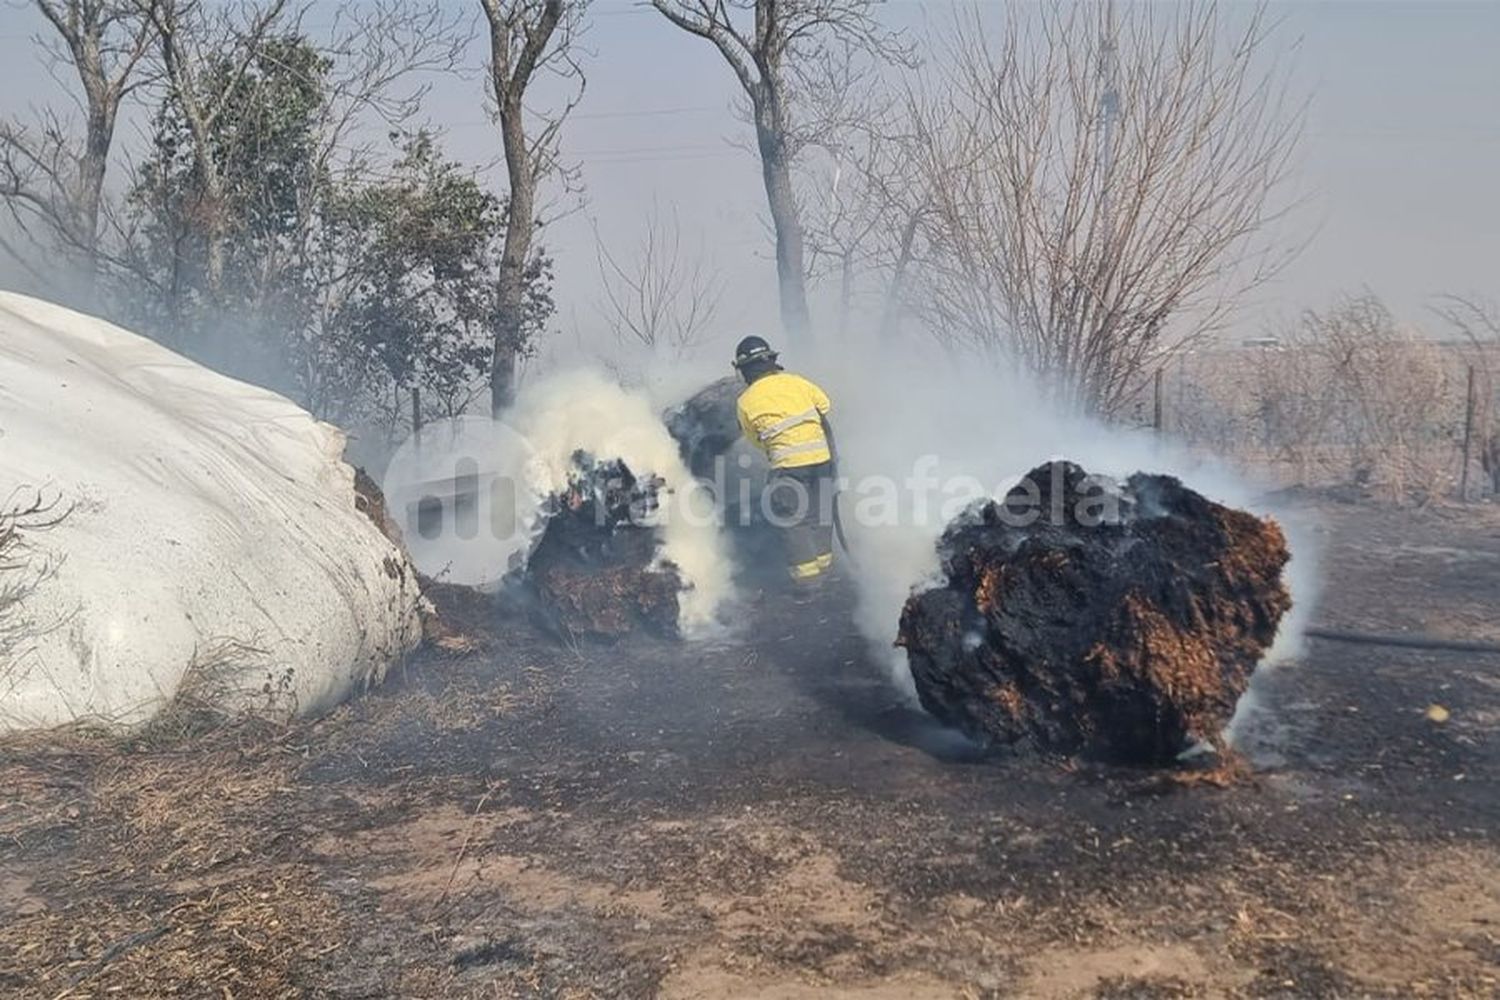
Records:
x=697, y=147
x=593, y=161
x=597, y=115
x=647, y=112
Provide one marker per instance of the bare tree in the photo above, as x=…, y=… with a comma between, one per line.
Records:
x=662, y=298
x=1103, y=186
x=1478, y=321
x=862, y=205
x=191, y=38
x=527, y=37
x=778, y=58
x=48, y=177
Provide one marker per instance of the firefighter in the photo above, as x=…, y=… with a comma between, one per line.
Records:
x=786, y=416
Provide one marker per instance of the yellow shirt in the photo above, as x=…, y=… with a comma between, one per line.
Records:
x=782, y=413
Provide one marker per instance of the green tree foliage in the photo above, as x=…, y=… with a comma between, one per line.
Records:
x=354, y=289
x=265, y=148
x=421, y=250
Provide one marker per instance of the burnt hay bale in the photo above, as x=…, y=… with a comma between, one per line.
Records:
x=1118, y=622
x=705, y=425
x=595, y=568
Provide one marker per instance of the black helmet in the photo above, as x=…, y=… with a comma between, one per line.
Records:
x=752, y=350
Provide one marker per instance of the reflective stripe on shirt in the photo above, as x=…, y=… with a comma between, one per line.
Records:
x=787, y=451
x=807, y=416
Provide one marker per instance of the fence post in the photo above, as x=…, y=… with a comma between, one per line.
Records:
x=1156, y=407
x=1463, y=475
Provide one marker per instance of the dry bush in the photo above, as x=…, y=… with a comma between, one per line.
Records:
x=1345, y=397
x=226, y=681
x=22, y=570
x=1477, y=320
x=1373, y=403
x=1207, y=402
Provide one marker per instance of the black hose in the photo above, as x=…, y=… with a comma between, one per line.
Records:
x=1405, y=641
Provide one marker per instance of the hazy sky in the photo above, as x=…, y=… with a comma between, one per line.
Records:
x=1400, y=162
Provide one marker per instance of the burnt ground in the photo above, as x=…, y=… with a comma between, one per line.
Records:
x=763, y=818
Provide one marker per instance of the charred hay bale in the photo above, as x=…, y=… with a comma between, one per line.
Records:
x=596, y=568
x=1118, y=622
x=706, y=424
x=611, y=601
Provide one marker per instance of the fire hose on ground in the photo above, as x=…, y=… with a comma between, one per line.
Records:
x=1404, y=641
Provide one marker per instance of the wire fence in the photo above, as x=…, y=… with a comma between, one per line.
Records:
x=1401, y=418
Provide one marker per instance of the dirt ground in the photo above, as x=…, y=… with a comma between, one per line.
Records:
x=764, y=818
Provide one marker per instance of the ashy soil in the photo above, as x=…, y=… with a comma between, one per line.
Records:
x=764, y=817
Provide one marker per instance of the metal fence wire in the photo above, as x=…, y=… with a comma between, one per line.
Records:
x=1408, y=420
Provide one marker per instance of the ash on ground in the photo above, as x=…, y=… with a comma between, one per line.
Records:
x=1121, y=622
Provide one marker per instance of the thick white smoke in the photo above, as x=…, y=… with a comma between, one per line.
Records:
x=923, y=432
x=585, y=409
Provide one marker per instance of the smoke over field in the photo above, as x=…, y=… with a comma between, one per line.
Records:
x=495, y=485
x=585, y=410
x=924, y=433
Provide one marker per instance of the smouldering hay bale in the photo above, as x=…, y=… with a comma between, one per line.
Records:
x=1115, y=622
x=597, y=568
x=706, y=425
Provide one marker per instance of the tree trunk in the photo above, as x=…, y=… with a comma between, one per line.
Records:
x=791, y=272
x=519, y=219
x=102, y=103
x=209, y=213
x=846, y=290
x=890, y=318
x=507, y=336
x=101, y=129
x=213, y=235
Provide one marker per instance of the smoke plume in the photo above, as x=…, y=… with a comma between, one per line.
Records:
x=923, y=433
x=582, y=409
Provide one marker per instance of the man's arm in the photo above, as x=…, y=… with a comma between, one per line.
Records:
x=744, y=421
x=824, y=406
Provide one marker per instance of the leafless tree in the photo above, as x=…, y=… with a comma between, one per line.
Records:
x=1352, y=396
x=50, y=179
x=781, y=51
x=662, y=298
x=862, y=206
x=1478, y=321
x=1103, y=185
x=527, y=38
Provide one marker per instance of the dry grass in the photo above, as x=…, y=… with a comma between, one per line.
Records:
x=1347, y=398
x=187, y=887
x=190, y=871
x=241, y=938
x=180, y=895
